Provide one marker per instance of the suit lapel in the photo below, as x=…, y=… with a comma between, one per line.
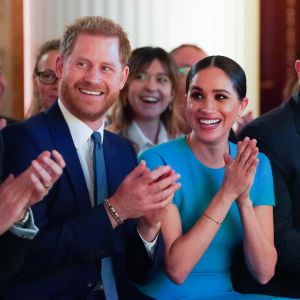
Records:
x=115, y=169
x=63, y=142
x=111, y=164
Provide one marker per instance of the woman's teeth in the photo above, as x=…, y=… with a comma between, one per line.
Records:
x=150, y=99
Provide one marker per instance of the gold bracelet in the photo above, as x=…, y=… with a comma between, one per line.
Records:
x=113, y=212
x=217, y=222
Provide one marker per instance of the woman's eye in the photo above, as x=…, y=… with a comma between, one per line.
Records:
x=196, y=95
x=140, y=76
x=48, y=76
x=220, y=97
x=163, y=79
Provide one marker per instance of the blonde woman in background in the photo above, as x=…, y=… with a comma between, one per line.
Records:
x=45, y=80
x=146, y=113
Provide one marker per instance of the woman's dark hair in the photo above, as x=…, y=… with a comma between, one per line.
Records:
x=141, y=58
x=232, y=69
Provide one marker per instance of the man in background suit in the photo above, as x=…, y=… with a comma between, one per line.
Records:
x=76, y=234
x=185, y=56
x=16, y=196
x=278, y=136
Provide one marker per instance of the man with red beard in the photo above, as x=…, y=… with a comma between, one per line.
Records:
x=87, y=250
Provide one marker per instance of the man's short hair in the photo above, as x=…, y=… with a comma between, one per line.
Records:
x=186, y=46
x=95, y=25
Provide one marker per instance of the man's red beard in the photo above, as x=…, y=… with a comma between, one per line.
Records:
x=75, y=105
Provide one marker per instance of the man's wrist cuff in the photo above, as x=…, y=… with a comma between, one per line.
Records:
x=24, y=220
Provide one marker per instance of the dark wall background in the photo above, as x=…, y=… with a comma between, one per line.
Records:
x=279, y=48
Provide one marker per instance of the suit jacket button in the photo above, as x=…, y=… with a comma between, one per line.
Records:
x=89, y=284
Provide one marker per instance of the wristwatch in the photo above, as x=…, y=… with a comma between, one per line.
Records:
x=23, y=221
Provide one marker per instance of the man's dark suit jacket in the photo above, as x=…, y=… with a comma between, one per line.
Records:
x=65, y=260
x=10, y=261
x=278, y=136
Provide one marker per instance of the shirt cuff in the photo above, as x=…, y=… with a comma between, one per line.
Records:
x=150, y=246
x=28, y=231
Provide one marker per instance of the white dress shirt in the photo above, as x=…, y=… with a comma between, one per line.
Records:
x=81, y=135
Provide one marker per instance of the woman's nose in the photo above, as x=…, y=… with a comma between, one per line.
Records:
x=150, y=83
x=208, y=105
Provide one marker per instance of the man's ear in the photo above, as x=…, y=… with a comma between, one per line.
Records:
x=124, y=77
x=59, y=66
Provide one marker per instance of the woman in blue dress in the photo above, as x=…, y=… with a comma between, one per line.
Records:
x=226, y=194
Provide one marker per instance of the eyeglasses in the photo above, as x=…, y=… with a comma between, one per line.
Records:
x=47, y=77
x=184, y=70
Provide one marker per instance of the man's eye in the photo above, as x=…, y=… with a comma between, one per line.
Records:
x=106, y=68
x=82, y=64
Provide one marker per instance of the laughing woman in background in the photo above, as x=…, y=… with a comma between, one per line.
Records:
x=145, y=113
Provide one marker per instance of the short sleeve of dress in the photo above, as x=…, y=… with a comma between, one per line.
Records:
x=153, y=158
x=262, y=192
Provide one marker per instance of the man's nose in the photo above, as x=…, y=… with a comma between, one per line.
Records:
x=94, y=75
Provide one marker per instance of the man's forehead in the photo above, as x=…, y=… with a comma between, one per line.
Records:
x=187, y=56
x=95, y=42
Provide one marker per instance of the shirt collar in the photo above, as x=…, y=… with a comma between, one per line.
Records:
x=162, y=134
x=136, y=135
x=80, y=132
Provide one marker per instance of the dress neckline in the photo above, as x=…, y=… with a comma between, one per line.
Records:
x=232, y=153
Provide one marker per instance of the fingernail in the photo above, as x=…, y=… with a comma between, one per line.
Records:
x=46, y=159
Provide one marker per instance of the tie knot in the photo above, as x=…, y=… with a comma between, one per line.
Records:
x=96, y=137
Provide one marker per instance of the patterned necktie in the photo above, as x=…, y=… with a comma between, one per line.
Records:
x=100, y=190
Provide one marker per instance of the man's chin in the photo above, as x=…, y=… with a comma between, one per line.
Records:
x=88, y=116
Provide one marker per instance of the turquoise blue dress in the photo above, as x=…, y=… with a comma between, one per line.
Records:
x=210, y=278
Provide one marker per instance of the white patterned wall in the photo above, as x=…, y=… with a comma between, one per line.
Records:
x=227, y=27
